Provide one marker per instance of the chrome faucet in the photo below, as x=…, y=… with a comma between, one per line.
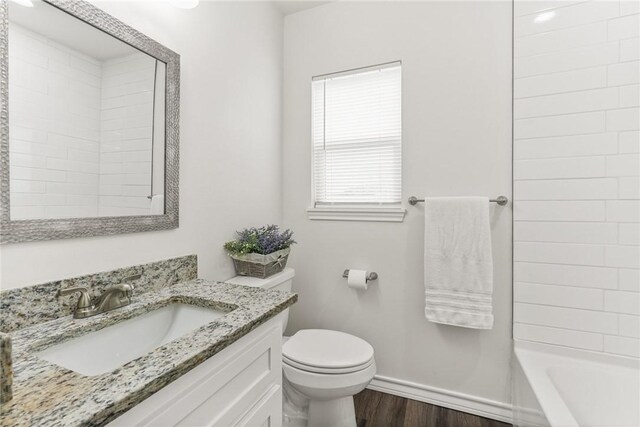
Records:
x=113, y=297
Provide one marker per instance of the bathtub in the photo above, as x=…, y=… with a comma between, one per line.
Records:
x=581, y=389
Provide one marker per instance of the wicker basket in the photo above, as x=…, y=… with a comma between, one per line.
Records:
x=261, y=266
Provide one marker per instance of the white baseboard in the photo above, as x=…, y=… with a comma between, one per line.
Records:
x=449, y=399
x=532, y=418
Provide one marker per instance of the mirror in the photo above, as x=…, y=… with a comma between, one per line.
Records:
x=92, y=124
x=86, y=120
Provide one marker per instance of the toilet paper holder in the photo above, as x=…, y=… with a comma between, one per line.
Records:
x=371, y=276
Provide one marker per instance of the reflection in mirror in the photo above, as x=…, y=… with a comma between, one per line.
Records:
x=86, y=120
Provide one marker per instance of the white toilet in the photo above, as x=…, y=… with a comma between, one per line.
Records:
x=322, y=369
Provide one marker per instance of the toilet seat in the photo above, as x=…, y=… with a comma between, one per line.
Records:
x=325, y=370
x=327, y=352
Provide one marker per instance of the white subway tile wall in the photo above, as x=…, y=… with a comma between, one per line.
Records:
x=127, y=135
x=577, y=174
x=52, y=145
x=81, y=130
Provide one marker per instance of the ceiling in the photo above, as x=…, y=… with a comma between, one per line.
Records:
x=289, y=7
x=60, y=27
x=67, y=30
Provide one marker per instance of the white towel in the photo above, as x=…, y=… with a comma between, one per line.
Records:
x=458, y=265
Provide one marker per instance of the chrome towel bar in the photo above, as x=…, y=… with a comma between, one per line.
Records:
x=501, y=200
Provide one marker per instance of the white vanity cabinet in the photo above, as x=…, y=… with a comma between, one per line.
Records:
x=240, y=386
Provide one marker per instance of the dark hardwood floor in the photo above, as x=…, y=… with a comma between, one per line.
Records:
x=375, y=409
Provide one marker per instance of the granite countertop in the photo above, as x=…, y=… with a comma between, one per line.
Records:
x=45, y=394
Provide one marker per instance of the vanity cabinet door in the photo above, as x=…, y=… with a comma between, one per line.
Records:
x=267, y=412
x=223, y=390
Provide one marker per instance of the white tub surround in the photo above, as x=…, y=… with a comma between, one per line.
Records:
x=576, y=202
x=579, y=388
x=576, y=175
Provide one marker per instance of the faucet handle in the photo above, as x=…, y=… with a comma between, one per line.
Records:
x=125, y=288
x=84, y=301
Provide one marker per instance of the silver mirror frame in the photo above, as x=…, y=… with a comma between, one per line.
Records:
x=14, y=231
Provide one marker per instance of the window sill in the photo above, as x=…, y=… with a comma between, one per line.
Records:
x=369, y=213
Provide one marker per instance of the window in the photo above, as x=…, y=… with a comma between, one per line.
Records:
x=357, y=144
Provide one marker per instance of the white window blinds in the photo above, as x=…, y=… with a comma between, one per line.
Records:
x=357, y=136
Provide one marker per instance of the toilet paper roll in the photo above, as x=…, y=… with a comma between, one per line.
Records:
x=357, y=279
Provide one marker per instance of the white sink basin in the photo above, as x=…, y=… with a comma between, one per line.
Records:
x=107, y=349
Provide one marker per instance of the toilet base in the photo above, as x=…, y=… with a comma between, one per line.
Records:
x=332, y=413
x=300, y=411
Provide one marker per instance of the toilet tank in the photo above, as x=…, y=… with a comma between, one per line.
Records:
x=281, y=281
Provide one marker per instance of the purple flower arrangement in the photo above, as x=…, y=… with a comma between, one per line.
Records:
x=263, y=240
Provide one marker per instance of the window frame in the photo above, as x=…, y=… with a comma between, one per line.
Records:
x=384, y=212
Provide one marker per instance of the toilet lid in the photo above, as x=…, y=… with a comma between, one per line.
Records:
x=322, y=350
